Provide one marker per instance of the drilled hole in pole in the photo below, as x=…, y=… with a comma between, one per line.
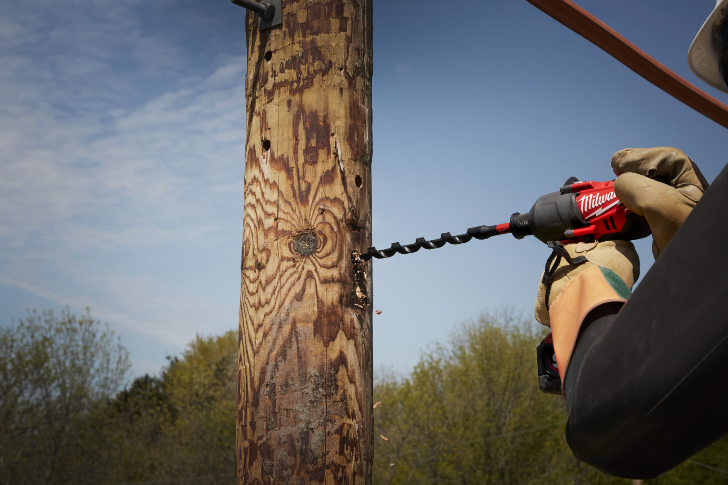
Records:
x=266, y=145
x=268, y=55
x=358, y=181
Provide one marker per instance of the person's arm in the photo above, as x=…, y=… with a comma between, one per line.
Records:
x=660, y=184
x=643, y=385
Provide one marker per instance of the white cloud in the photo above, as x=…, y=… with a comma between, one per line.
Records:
x=101, y=171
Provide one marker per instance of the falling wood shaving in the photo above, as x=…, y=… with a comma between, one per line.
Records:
x=378, y=312
x=384, y=438
x=391, y=464
x=377, y=404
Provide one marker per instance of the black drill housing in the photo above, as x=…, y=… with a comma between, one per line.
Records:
x=549, y=218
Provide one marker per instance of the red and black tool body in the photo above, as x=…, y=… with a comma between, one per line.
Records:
x=580, y=211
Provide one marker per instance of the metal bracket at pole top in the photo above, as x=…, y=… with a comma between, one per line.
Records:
x=269, y=12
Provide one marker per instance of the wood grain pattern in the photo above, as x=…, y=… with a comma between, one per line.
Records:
x=304, y=410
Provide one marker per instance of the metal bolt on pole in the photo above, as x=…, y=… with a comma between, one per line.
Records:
x=269, y=12
x=265, y=10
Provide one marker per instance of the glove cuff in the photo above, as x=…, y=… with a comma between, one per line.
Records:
x=592, y=287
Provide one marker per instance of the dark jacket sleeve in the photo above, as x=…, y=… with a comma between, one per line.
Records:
x=647, y=387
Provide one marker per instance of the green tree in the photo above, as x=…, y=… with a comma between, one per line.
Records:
x=136, y=422
x=471, y=413
x=201, y=387
x=55, y=374
x=181, y=425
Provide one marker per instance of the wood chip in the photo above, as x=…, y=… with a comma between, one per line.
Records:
x=378, y=312
x=391, y=464
x=377, y=404
x=359, y=294
x=384, y=438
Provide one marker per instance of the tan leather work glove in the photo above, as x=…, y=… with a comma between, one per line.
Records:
x=618, y=256
x=607, y=276
x=664, y=206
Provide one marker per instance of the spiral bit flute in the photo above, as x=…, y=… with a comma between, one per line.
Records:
x=480, y=232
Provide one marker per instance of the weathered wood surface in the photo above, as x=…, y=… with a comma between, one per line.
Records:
x=304, y=411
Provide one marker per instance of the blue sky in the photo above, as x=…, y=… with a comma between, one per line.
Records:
x=122, y=129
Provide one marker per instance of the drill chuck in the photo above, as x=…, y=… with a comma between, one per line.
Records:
x=519, y=225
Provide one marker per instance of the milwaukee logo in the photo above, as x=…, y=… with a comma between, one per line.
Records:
x=591, y=201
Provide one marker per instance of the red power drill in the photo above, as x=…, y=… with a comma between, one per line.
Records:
x=579, y=212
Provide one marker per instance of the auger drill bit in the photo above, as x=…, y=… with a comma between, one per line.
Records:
x=480, y=232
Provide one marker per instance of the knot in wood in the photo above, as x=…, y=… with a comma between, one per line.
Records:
x=306, y=243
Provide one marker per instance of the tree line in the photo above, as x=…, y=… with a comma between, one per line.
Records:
x=469, y=413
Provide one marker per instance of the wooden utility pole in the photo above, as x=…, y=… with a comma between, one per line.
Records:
x=304, y=403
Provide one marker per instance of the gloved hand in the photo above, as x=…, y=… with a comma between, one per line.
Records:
x=664, y=206
x=618, y=256
x=607, y=276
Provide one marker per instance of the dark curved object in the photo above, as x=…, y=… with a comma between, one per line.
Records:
x=647, y=386
x=265, y=10
x=548, y=215
x=269, y=12
x=480, y=232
